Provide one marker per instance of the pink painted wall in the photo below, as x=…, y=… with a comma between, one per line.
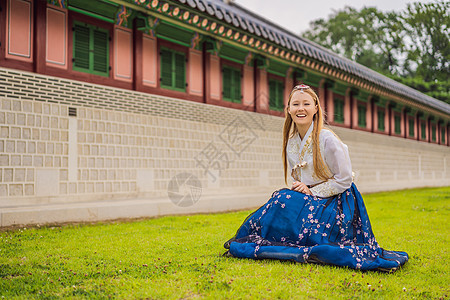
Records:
x=215, y=77
x=19, y=35
x=354, y=112
x=56, y=37
x=123, y=54
x=149, y=61
x=433, y=127
x=248, y=90
x=386, y=119
x=288, y=85
x=330, y=105
x=195, y=72
x=375, y=118
x=321, y=94
x=392, y=122
x=415, y=126
x=369, y=114
x=445, y=135
x=347, y=115
x=402, y=123
x=426, y=129
x=262, y=97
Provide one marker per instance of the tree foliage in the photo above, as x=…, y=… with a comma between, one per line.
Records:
x=410, y=46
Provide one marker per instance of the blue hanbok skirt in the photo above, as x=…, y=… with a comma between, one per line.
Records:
x=306, y=229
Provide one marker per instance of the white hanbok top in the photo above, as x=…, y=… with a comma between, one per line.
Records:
x=334, y=154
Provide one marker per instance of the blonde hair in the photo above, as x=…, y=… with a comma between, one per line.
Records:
x=289, y=130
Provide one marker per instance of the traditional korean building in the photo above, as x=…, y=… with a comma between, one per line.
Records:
x=119, y=108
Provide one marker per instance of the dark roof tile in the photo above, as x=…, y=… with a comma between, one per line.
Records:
x=260, y=26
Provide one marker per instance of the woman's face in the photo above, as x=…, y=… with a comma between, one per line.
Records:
x=302, y=109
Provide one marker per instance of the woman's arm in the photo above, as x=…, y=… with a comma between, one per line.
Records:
x=338, y=161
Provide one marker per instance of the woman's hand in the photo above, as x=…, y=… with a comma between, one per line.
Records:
x=300, y=187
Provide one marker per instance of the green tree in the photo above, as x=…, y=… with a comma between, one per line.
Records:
x=368, y=36
x=427, y=27
x=411, y=46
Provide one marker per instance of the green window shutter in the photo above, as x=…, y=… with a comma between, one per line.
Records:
x=411, y=127
x=272, y=94
x=166, y=68
x=179, y=72
x=231, y=84
x=237, y=86
x=443, y=135
x=423, y=130
x=226, y=76
x=100, y=51
x=81, y=41
x=433, y=133
x=380, y=114
x=90, y=49
x=338, y=111
x=361, y=116
x=173, y=69
x=397, y=124
x=276, y=90
x=280, y=92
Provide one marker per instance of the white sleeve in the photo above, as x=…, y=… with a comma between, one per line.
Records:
x=338, y=161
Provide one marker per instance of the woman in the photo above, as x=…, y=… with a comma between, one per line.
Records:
x=322, y=218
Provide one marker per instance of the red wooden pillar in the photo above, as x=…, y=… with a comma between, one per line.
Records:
x=390, y=117
x=418, y=114
x=3, y=31
x=439, y=133
x=348, y=109
x=447, y=136
x=405, y=122
x=330, y=103
x=137, y=58
x=262, y=91
x=373, y=111
x=322, y=96
x=40, y=14
x=429, y=129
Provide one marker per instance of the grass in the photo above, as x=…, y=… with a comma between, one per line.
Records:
x=181, y=257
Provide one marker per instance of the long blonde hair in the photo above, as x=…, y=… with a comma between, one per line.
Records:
x=289, y=130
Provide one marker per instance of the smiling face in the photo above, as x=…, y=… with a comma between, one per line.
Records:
x=302, y=109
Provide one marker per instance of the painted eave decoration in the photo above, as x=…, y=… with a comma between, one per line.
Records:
x=230, y=23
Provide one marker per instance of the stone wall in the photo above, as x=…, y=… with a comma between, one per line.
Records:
x=74, y=151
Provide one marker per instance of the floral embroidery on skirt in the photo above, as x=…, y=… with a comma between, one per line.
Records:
x=307, y=229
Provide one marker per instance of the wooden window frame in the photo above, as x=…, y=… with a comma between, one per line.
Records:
x=423, y=130
x=433, y=137
x=91, y=60
x=397, y=130
x=173, y=86
x=279, y=97
x=381, y=125
x=411, y=128
x=235, y=72
x=443, y=135
x=339, y=119
x=362, y=118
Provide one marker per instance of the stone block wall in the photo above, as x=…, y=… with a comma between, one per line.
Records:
x=64, y=141
x=67, y=144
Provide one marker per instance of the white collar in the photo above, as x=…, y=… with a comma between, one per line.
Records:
x=308, y=133
x=302, y=142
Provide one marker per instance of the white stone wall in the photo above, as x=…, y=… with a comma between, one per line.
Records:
x=117, y=156
x=383, y=163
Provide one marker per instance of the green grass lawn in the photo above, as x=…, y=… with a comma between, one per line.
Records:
x=181, y=257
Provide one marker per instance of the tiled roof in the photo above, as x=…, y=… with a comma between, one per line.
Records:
x=246, y=20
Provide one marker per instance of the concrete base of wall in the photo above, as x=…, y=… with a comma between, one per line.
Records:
x=125, y=209
x=117, y=156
